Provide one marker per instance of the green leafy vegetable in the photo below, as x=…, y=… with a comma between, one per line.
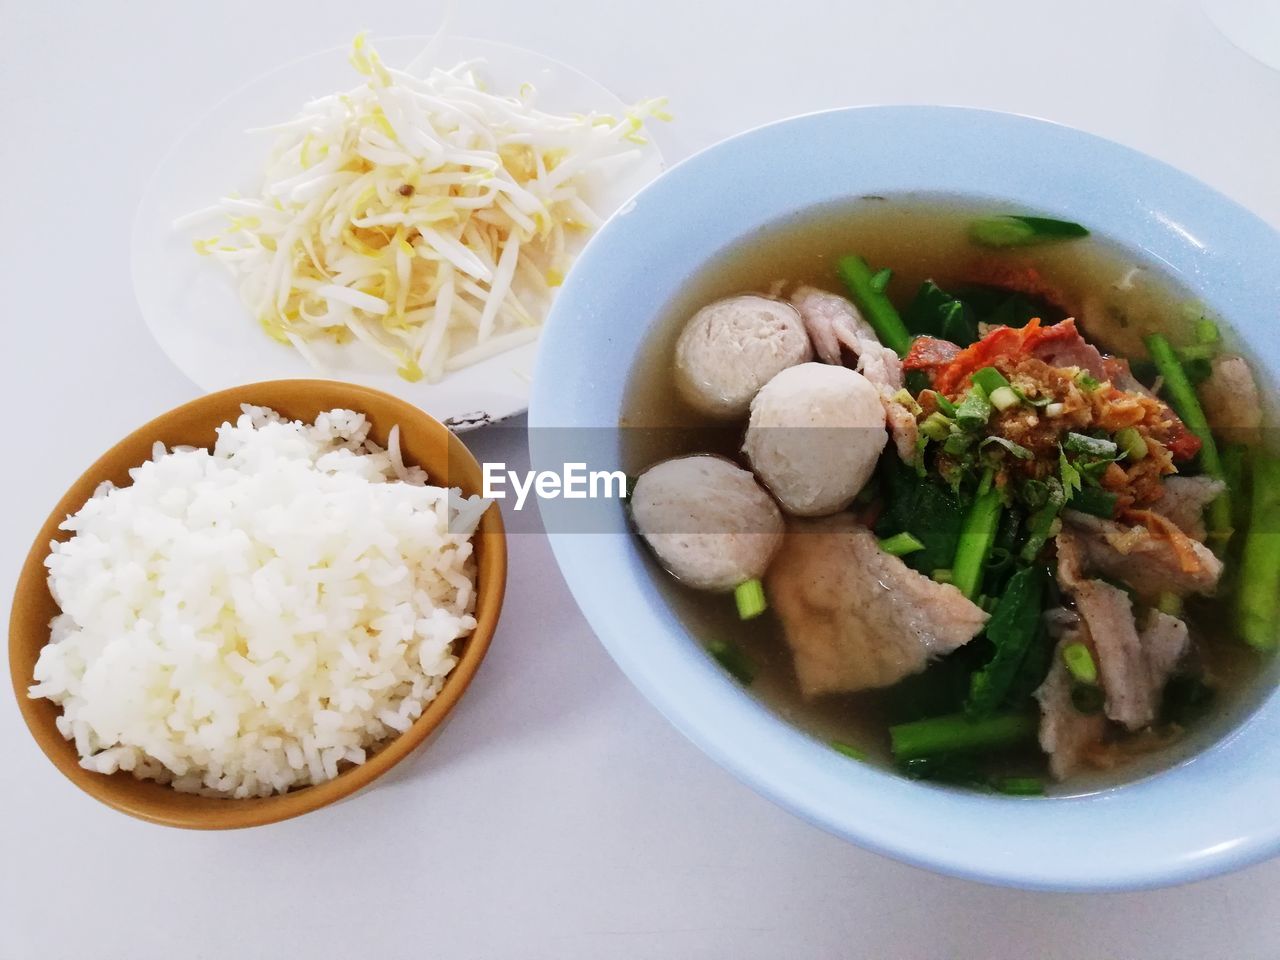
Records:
x=936, y=313
x=1014, y=449
x=1182, y=397
x=1019, y=786
x=1095, y=501
x=957, y=733
x=1040, y=526
x=1258, y=593
x=874, y=305
x=977, y=536
x=924, y=508
x=1012, y=629
x=1017, y=231
x=849, y=751
x=960, y=770
x=733, y=660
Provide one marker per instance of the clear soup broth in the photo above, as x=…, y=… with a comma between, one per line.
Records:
x=1120, y=296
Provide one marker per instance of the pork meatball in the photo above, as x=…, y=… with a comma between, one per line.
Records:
x=815, y=434
x=731, y=348
x=709, y=522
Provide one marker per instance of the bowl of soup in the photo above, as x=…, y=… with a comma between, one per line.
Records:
x=954, y=522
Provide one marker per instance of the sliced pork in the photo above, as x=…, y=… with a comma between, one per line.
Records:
x=855, y=617
x=1122, y=663
x=1148, y=563
x=1184, y=500
x=1133, y=665
x=1066, y=734
x=1230, y=397
x=1071, y=350
x=836, y=327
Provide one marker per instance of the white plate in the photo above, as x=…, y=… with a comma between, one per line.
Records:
x=190, y=303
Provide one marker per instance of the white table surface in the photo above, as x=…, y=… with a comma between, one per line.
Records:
x=557, y=816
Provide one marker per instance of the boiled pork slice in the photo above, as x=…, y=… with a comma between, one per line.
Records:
x=1184, y=501
x=1231, y=399
x=1135, y=556
x=1066, y=734
x=855, y=617
x=1133, y=665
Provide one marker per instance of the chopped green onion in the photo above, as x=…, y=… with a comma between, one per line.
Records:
x=1003, y=398
x=1016, y=231
x=1019, y=786
x=849, y=751
x=945, y=405
x=1095, y=502
x=1197, y=352
x=1054, y=410
x=1037, y=402
x=1207, y=331
x=936, y=426
x=904, y=398
x=1087, y=381
x=974, y=410
x=1079, y=661
x=1087, y=698
x=733, y=660
x=990, y=379
x=1040, y=525
x=749, y=596
x=1016, y=449
x=875, y=306
x=958, y=442
x=1169, y=603
x=1132, y=443
x=956, y=733
x=1089, y=446
x=900, y=544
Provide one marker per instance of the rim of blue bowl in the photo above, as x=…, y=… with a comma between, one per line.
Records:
x=1205, y=816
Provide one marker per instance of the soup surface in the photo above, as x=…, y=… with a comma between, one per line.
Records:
x=1117, y=298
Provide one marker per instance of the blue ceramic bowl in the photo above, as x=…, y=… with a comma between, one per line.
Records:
x=1214, y=813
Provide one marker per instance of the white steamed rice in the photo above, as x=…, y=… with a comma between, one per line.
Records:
x=241, y=621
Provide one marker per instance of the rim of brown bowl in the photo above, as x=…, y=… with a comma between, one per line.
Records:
x=424, y=441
